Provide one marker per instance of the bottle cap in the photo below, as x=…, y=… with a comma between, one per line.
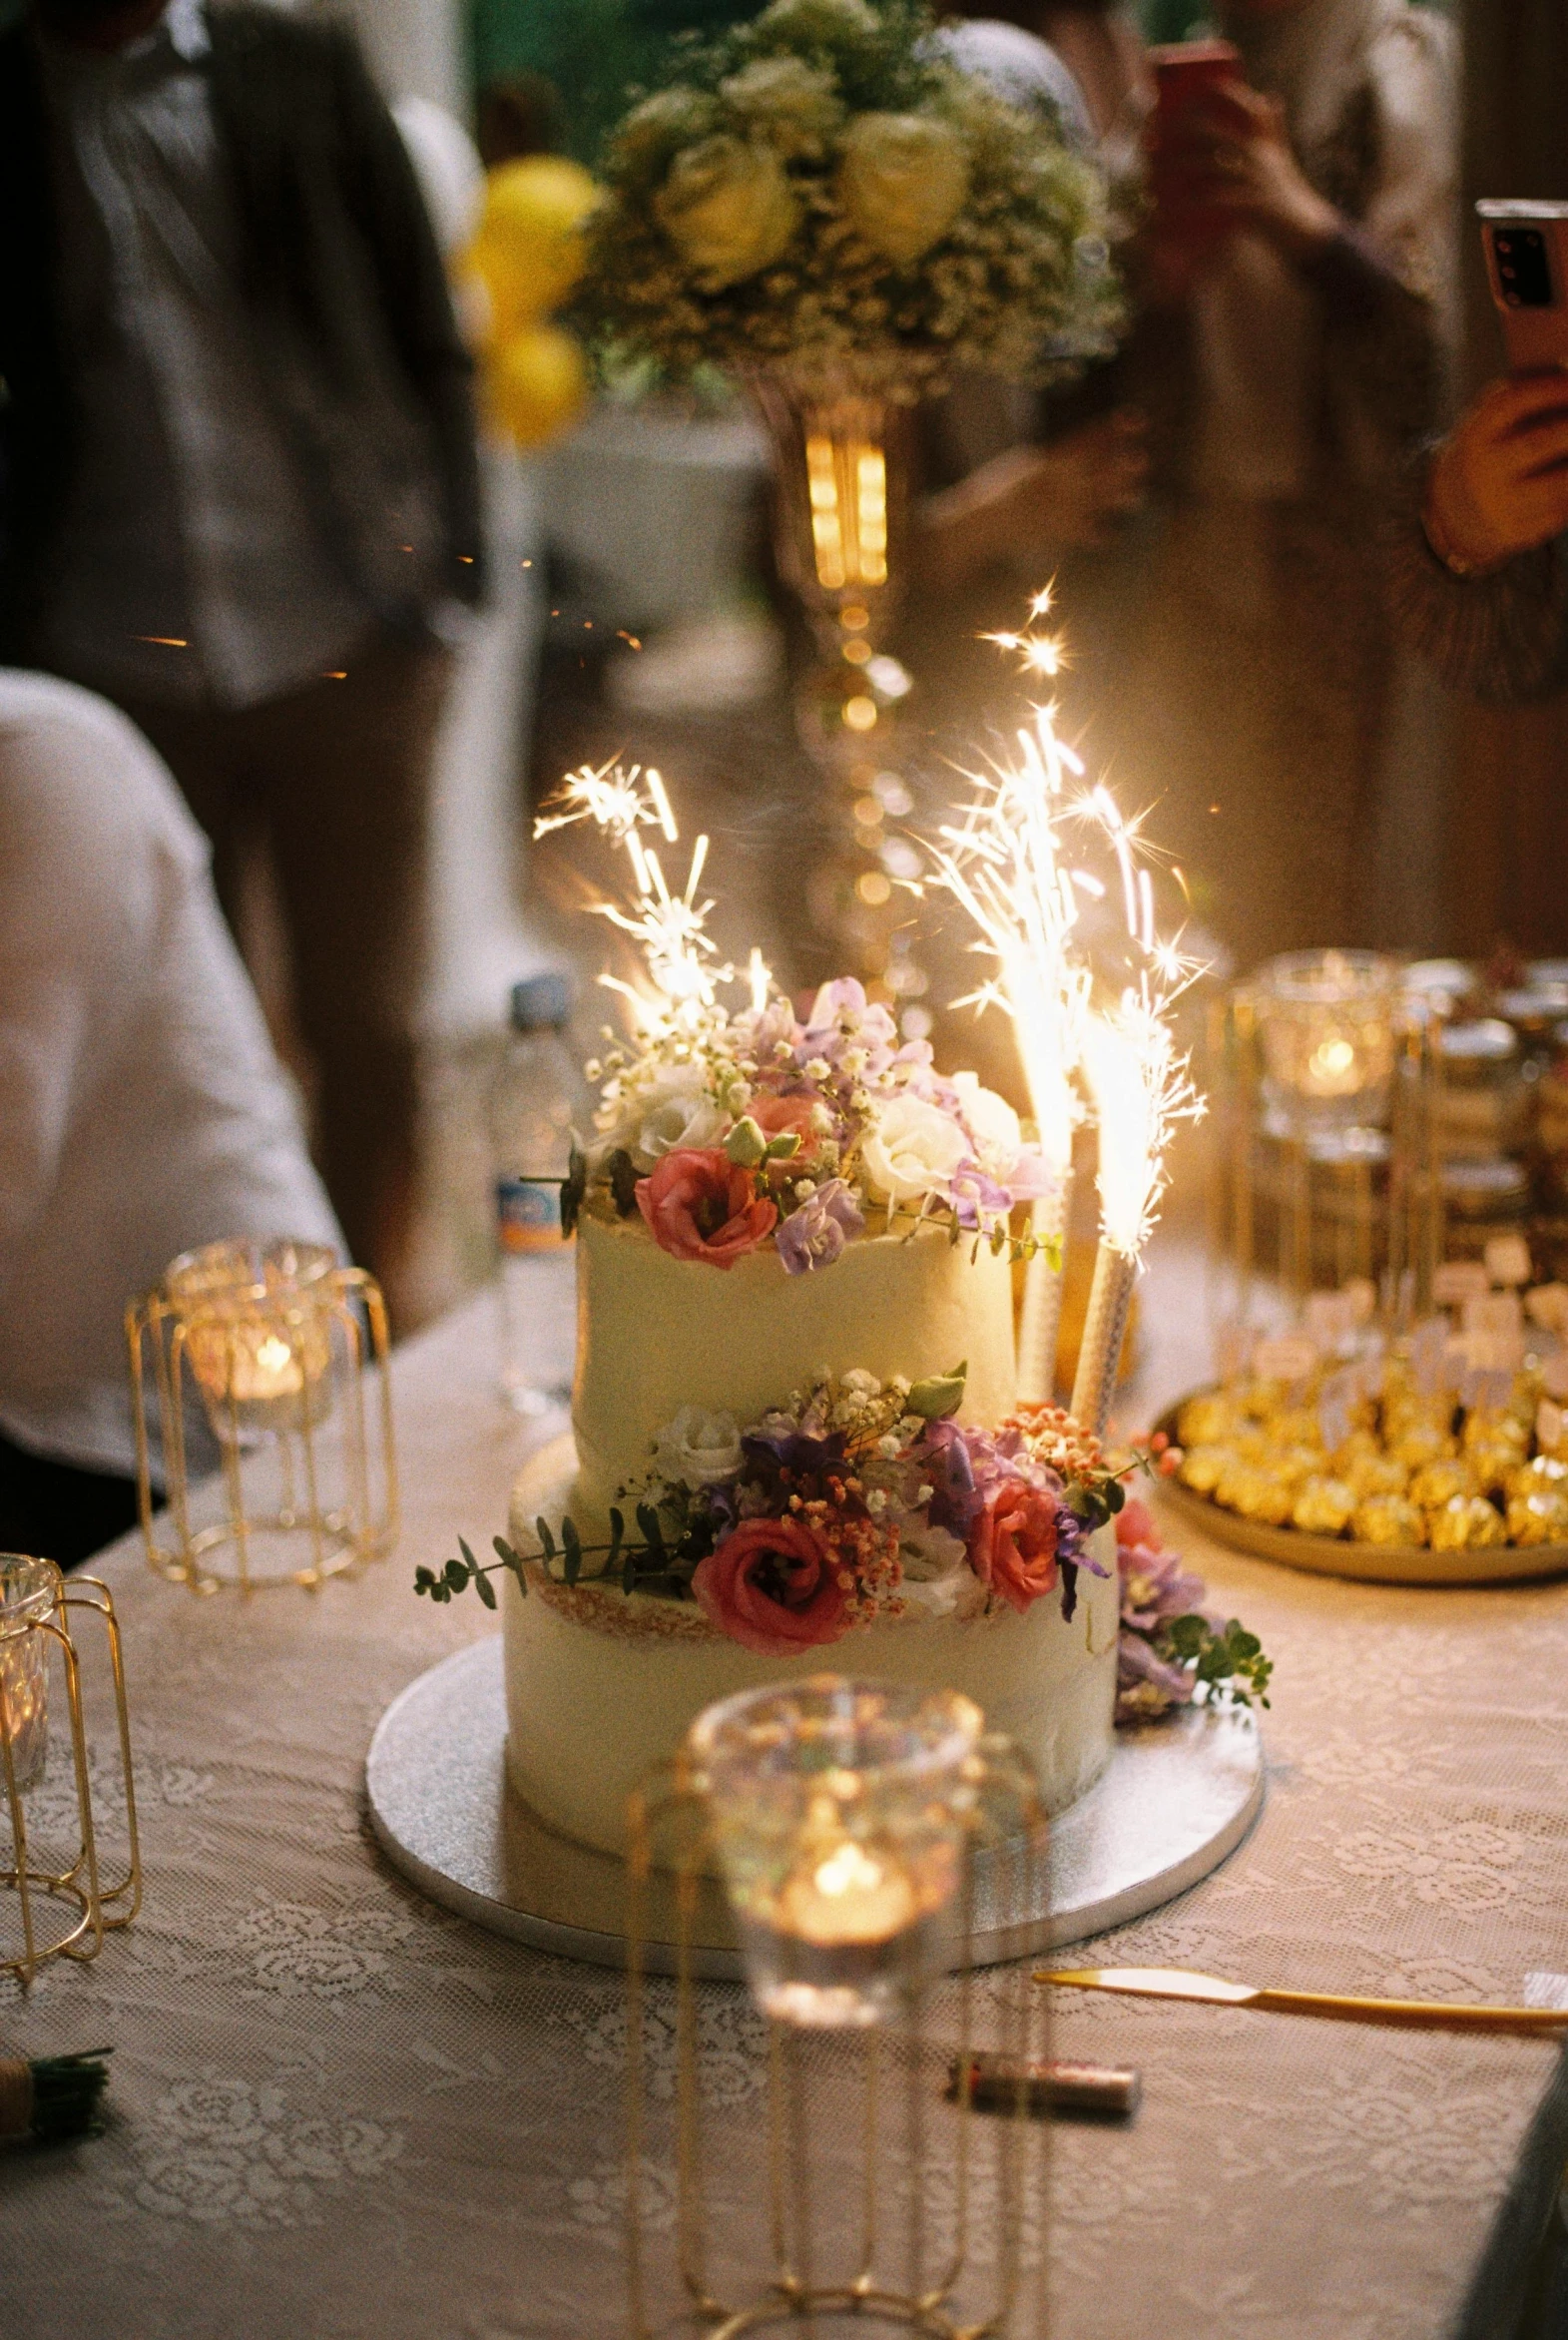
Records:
x=541, y=1003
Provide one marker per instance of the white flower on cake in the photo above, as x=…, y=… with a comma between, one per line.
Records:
x=993, y=1125
x=699, y=1449
x=912, y=1149
x=728, y=208
x=903, y=180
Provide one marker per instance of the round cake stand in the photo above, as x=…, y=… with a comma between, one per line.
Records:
x=1176, y=1797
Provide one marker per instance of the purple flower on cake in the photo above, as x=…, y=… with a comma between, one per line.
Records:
x=1147, y=1684
x=947, y=1454
x=814, y=1235
x=1154, y=1586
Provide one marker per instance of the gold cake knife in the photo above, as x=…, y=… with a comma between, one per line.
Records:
x=1212, y=1990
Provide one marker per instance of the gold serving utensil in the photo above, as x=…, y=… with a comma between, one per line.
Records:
x=1212, y=1990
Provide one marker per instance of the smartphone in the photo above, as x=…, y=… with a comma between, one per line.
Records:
x=1528, y=264
x=1184, y=72
x=1186, y=68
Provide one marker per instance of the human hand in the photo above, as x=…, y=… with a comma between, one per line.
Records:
x=1074, y=492
x=1498, y=486
x=1226, y=163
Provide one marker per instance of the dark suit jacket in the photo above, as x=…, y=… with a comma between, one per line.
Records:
x=342, y=279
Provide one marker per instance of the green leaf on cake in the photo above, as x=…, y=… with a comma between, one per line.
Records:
x=572, y=1549
x=784, y=1147
x=745, y=1144
x=940, y=1394
x=653, y=1533
x=511, y=1559
x=546, y=1540
x=616, y=1532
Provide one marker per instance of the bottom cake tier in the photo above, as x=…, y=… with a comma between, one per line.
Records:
x=600, y=1686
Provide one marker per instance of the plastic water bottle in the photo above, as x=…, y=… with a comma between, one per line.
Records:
x=539, y=1098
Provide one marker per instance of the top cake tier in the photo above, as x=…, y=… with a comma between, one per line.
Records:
x=656, y=1333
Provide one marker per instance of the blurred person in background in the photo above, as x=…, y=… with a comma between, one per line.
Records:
x=240, y=444
x=1480, y=549
x=142, y=1109
x=1299, y=318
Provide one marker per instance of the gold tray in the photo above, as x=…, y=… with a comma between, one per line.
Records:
x=1341, y=1555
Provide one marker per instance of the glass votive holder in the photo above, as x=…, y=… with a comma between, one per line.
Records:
x=29, y=1595
x=1327, y=1020
x=257, y=1320
x=840, y=1811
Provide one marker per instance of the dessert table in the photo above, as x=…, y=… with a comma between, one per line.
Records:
x=339, y=2112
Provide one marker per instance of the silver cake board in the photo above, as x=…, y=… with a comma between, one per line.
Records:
x=1175, y=1799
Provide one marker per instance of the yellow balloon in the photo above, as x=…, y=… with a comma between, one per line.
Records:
x=529, y=247
x=538, y=383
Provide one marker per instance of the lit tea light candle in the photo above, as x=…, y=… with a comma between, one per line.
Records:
x=848, y=1897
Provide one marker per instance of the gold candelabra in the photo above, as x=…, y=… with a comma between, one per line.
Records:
x=278, y=1347
x=59, y=1897
x=863, y=1832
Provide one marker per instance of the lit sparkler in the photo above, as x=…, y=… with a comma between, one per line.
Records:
x=668, y=925
x=1005, y=861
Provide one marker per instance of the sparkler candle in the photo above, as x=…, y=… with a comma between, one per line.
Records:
x=1140, y=1090
x=1001, y=863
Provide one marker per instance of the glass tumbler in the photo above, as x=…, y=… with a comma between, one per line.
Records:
x=840, y=1811
x=29, y=1592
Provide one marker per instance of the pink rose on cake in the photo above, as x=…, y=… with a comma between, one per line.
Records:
x=700, y=1205
x=1012, y=1547
x=772, y=1585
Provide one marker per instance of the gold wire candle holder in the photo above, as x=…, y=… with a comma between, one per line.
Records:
x=270, y=1360
x=58, y=1896
x=863, y=1832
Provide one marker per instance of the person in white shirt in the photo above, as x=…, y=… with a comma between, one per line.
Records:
x=142, y=1108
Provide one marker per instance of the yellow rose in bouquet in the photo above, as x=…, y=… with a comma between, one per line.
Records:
x=729, y=210
x=902, y=180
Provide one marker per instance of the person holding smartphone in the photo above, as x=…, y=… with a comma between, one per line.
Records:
x=1480, y=545
x=1296, y=277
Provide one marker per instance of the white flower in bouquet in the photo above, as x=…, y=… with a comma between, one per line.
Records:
x=671, y=1105
x=992, y=1123
x=729, y=210
x=699, y=1449
x=903, y=179
x=911, y=1149
x=793, y=106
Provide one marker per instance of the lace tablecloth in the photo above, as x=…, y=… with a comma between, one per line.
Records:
x=339, y=2112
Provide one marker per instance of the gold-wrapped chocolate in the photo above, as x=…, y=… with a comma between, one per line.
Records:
x=1492, y=1465
x=1440, y=1482
x=1298, y=1425
x=1201, y=1468
x=1257, y=1494
x=1323, y=1508
x=1538, y=1518
x=1387, y=1519
x=1490, y=1427
x=1294, y=1465
x=1374, y=1474
x=1360, y=1442
x=1420, y=1444
x=1464, y=1523
x=1546, y=1474
x=1206, y=1420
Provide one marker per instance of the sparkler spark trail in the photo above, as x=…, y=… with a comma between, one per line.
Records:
x=1006, y=863
x=670, y=929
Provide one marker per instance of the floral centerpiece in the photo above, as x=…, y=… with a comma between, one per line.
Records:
x=731, y=1135
x=857, y=1501
x=820, y=192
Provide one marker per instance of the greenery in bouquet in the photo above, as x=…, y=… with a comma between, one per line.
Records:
x=821, y=193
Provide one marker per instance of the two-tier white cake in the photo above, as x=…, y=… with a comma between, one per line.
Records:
x=601, y=1684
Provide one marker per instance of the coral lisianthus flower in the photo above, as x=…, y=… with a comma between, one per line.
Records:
x=773, y=1586
x=699, y=1205
x=1013, y=1547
